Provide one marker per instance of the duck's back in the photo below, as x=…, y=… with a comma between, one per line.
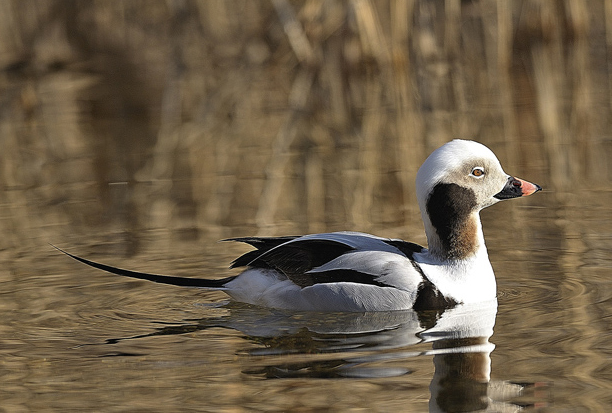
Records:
x=342, y=271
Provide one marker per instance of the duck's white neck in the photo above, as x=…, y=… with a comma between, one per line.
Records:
x=459, y=264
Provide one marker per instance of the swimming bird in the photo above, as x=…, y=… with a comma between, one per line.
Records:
x=353, y=271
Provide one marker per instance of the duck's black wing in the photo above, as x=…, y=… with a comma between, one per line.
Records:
x=291, y=256
x=297, y=256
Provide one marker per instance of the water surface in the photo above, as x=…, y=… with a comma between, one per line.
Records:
x=76, y=338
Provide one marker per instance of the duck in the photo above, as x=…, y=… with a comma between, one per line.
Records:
x=359, y=272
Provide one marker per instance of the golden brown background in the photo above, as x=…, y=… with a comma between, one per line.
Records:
x=197, y=116
x=139, y=132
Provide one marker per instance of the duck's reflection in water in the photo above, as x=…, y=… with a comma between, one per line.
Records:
x=370, y=345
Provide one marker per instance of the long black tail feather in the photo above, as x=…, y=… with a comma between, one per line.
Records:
x=163, y=279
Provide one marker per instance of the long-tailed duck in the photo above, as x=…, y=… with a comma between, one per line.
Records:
x=352, y=271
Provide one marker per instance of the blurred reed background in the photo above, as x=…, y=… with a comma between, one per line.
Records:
x=220, y=118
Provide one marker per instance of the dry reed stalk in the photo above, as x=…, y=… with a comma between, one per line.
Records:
x=505, y=29
x=294, y=31
x=163, y=159
x=579, y=72
x=369, y=160
x=408, y=125
x=548, y=64
x=214, y=156
x=315, y=192
x=461, y=124
x=608, y=31
x=275, y=169
x=332, y=78
x=373, y=42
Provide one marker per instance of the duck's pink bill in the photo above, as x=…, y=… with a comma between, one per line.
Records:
x=527, y=188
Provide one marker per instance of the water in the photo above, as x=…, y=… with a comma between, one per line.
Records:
x=75, y=338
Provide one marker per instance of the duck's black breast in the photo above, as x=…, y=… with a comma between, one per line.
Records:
x=430, y=298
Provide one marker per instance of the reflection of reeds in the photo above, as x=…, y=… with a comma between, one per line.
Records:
x=288, y=116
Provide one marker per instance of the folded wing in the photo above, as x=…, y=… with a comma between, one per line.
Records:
x=335, y=257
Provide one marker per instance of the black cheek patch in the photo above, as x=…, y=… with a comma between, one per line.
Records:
x=449, y=207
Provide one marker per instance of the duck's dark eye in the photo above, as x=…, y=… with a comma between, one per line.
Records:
x=478, y=171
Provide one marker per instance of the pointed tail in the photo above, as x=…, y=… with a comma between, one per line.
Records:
x=163, y=279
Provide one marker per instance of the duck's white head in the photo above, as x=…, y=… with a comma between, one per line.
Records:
x=456, y=181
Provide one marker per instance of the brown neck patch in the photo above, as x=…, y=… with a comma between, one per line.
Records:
x=450, y=208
